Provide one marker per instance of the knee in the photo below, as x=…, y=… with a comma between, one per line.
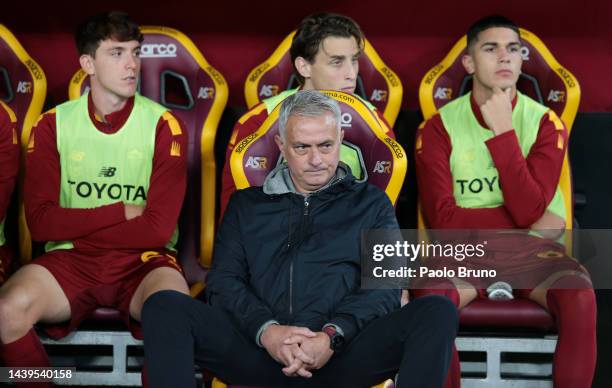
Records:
x=12, y=316
x=438, y=313
x=162, y=305
x=443, y=288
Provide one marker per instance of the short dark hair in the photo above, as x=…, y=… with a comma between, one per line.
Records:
x=315, y=28
x=486, y=23
x=109, y=25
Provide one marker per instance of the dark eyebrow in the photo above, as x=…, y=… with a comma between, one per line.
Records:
x=494, y=44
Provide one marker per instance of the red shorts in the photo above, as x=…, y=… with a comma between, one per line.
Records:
x=100, y=279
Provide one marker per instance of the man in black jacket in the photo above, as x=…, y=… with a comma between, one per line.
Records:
x=285, y=307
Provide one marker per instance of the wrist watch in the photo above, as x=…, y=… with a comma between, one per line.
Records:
x=336, y=340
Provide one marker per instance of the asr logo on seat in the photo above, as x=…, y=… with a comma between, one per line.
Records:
x=379, y=95
x=24, y=87
x=556, y=96
x=257, y=162
x=443, y=93
x=206, y=93
x=382, y=167
x=268, y=90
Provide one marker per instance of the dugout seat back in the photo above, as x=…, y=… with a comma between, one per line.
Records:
x=23, y=87
x=175, y=73
x=382, y=160
x=542, y=79
x=376, y=82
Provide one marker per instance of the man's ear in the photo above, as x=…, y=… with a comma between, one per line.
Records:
x=468, y=63
x=303, y=67
x=279, y=143
x=341, y=135
x=87, y=65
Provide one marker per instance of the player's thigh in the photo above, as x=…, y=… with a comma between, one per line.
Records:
x=160, y=278
x=35, y=292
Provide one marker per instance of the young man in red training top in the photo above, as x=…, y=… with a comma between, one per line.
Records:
x=9, y=167
x=325, y=54
x=105, y=180
x=514, y=147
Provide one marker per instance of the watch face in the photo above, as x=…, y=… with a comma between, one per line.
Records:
x=337, y=341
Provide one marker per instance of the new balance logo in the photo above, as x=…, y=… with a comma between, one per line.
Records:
x=107, y=172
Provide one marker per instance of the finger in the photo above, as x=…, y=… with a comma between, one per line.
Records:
x=294, y=339
x=497, y=90
x=292, y=368
x=286, y=355
x=306, y=332
x=300, y=354
x=303, y=372
x=508, y=92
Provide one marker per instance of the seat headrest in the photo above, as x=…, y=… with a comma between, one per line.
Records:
x=23, y=85
x=384, y=160
x=376, y=82
x=542, y=78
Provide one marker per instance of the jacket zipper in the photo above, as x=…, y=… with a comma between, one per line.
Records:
x=291, y=289
x=306, y=211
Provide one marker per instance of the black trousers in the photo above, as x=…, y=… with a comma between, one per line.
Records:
x=179, y=332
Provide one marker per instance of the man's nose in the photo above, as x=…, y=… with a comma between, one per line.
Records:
x=315, y=157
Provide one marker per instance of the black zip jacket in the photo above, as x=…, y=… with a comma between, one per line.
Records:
x=296, y=259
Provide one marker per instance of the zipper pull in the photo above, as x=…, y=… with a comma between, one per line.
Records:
x=306, y=205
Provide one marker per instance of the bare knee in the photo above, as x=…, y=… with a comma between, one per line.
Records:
x=159, y=279
x=14, y=319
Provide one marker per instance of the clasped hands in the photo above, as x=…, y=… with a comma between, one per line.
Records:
x=299, y=349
